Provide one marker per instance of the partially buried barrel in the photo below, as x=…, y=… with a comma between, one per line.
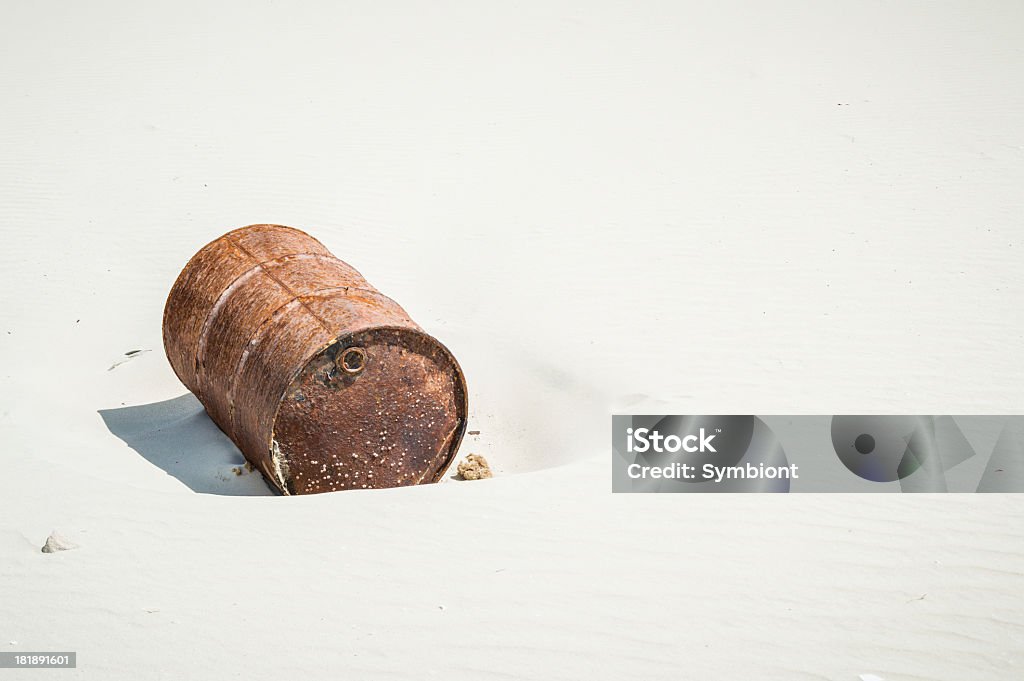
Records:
x=324, y=383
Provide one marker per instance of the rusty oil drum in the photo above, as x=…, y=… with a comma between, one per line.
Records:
x=324, y=383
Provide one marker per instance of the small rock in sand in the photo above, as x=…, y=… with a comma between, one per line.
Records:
x=55, y=543
x=474, y=468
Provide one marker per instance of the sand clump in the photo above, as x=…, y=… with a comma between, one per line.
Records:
x=56, y=542
x=474, y=467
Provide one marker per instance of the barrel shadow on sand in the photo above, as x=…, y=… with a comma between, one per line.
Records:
x=178, y=436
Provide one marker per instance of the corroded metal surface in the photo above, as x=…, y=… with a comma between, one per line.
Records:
x=323, y=382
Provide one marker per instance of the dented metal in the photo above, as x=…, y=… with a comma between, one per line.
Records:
x=323, y=382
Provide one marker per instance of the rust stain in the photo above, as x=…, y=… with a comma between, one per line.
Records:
x=323, y=382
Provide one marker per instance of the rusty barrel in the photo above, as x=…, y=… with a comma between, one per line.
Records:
x=323, y=382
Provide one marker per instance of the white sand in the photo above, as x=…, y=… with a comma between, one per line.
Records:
x=598, y=208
